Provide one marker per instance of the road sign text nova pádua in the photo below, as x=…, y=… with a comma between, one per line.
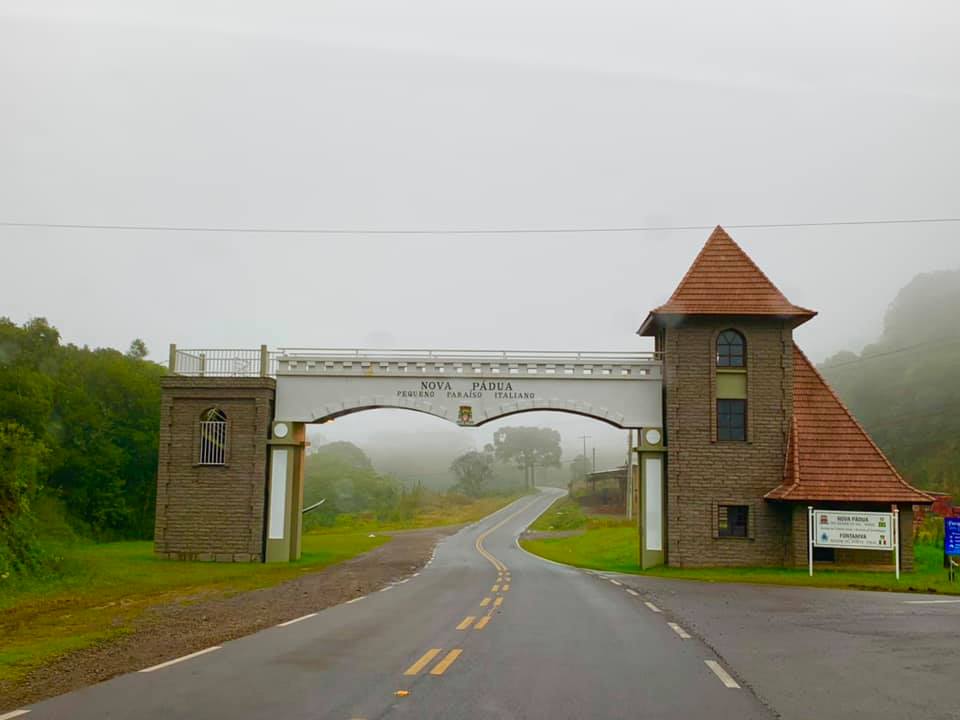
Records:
x=855, y=530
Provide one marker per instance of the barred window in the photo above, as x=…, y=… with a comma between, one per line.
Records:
x=213, y=437
x=730, y=349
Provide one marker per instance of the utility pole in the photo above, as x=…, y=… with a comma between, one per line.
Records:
x=585, y=438
x=628, y=491
x=594, y=459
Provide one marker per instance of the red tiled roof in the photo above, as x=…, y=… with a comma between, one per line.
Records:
x=723, y=280
x=829, y=455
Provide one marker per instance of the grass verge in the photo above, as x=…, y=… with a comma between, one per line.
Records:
x=103, y=588
x=615, y=549
x=446, y=510
x=568, y=514
x=106, y=587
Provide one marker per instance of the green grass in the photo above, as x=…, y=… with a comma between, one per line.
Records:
x=102, y=589
x=564, y=514
x=105, y=587
x=440, y=510
x=615, y=549
x=568, y=514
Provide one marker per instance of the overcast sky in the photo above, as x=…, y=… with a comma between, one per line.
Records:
x=457, y=114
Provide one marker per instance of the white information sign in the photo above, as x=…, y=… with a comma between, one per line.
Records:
x=856, y=530
x=653, y=503
x=278, y=494
x=851, y=529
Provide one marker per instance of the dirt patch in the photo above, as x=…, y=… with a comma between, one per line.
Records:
x=171, y=630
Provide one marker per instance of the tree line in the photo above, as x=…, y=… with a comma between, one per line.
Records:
x=78, y=427
x=341, y=475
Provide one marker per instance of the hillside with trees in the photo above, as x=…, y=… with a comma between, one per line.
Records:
x=905, y=387
x=78, y=441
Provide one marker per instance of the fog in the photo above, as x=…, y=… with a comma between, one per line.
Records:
x=439, y=115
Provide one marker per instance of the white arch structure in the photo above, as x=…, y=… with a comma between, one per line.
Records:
x=469, y=388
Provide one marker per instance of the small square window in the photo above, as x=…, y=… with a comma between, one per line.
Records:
x=732, y=520
x=731, y=420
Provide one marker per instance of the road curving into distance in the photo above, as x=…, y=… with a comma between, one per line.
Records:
x=485, y=630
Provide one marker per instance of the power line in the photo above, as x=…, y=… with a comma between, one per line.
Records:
x=468, y=231
x=905, y=348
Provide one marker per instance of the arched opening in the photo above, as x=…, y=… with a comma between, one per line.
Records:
x=359, y=462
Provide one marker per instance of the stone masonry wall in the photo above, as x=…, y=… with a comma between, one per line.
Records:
x=703, y=473
x=213, y=512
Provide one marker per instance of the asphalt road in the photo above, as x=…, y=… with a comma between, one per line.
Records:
x=484, y=631
x=825, y=654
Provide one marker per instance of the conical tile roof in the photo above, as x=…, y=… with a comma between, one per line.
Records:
x=723, y=280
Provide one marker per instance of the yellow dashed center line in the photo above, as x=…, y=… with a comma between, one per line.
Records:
x=466, y=622
x=484, y=602
x=441, y=667
x=482, y=623
x=422, y=662
x=495, y=588
x=498, y=602
x=497, y=565
x=505, y=588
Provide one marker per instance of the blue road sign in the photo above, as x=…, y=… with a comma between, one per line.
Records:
x=951, y=535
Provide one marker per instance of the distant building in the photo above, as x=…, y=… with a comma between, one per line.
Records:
x=603, y=490
x=754, y=434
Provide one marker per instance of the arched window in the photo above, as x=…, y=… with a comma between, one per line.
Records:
x=213, y=437
x=731, y=350
x=731, y=386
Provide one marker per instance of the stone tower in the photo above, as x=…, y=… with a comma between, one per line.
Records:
x=726, y=336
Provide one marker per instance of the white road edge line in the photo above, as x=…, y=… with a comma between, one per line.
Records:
x=616, y=582
x=358, y=599
x=918, y=602
x=650, y=605
x=722, y=674
x=296, y=620
x=168, y=663
x=679, y=630
x=633, y=592
x=388, y=587
x=13, y=714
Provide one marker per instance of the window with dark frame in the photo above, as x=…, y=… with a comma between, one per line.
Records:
x=732, y=520
x=731, y=349
x=731, y=419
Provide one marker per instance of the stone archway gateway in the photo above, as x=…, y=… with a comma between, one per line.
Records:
x=267, y=397
x=738, y=432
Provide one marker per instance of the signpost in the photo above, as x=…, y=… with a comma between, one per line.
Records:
x=951, y=543
x=856, y=530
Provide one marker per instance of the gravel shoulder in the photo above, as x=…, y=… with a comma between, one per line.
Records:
x=171, y=630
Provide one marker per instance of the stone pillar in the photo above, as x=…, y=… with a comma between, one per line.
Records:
x=285, y=494
x=213, y=510
x=907, y=563
x=652, y=517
